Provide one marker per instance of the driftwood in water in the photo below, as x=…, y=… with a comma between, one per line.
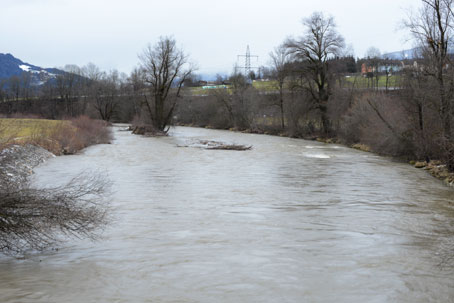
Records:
x=216, y=145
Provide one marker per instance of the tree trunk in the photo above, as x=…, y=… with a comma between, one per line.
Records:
x=445, y=113
x=326, y=128
x=281, y=104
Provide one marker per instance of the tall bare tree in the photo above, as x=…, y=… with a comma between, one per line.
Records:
x=432, y=28
x=166, y=68
x=319, y=43
x=373, y=56
x=280, y=66
x=67, y=86
x=106, y=95
x=136, y=86
x=14, y=87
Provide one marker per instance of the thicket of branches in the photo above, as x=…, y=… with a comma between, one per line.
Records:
x=37, y=218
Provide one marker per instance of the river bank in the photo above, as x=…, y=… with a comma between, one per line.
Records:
x=17, y=162
x=26, y=143
x=436, y=169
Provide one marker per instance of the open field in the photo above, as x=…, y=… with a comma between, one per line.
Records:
x=363, y=82
x=57, y=136
x=265, y=85
x=26, y=129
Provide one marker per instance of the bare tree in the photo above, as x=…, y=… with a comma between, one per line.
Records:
x=14, y=87
x=67, y=86
x=3, y=92
x=107, y=95
x=32, y=218
x=166, y=68
x=91, y=75
x=432, y=28
x=421, y=111
x=373, y=56
x=226, y=100
x=91, y=72
x=279, y=60
x=242, y=101
x=136, y=86
x=220, y=79
x=25, y=85
x=320, y=42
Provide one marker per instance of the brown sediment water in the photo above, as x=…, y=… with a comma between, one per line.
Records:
x=287, y=221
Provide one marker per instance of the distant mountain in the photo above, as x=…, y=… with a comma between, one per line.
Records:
x=404, y=54
x=11, y=66
x=210, y=76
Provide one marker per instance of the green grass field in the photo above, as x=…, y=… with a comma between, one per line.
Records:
x=265, y=85
x=260, y=85
x=362, y=82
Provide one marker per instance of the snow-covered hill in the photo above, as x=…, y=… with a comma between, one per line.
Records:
x=11, y=66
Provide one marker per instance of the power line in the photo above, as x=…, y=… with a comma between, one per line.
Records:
x=247, y=62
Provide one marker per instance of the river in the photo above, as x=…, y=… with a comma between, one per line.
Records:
x=288, y=221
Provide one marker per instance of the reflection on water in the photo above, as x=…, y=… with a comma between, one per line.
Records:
x=288, y=221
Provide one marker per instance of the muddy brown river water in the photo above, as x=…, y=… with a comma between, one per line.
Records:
x=288, y=221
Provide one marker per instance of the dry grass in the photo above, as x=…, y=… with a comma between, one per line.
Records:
x=22, y=131
x=57, y=136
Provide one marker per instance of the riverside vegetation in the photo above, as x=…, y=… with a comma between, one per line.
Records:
x=35, y=218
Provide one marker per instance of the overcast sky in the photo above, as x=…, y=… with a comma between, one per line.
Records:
x=111, y=33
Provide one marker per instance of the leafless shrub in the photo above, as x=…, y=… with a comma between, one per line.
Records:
x=224, y=98
x=92, y=131
x=300, y=114
x=378, y=120
x=202, y=111
x=352, y=122
x=36, y=218
x=338, y=106
x=246, y=105
x=240, y=103
x=68, y=138
x=219, y=117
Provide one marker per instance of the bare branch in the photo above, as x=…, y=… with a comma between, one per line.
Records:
x=35, y=218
